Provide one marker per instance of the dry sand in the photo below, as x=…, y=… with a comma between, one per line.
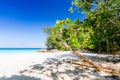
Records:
x=11, y=64
x=47, y=66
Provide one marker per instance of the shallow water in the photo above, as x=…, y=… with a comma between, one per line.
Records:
x=18, y=50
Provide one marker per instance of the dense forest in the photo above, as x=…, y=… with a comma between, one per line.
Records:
x=99, y=32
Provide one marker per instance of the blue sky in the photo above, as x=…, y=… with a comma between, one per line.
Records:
x=22, y=21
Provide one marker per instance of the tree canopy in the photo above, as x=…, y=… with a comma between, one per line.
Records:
x=100, y=30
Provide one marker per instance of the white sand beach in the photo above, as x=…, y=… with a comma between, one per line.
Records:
x=35, y=66
x=11, y=64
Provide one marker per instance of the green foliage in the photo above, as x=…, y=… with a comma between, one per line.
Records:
x=100, y=30
x=104, y=21
x=73, y=32
x=53, y=41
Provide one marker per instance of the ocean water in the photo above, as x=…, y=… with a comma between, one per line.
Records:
x=18, y=50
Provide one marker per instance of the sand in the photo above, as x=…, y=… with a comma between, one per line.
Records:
x=12, y=64
x=47, y=66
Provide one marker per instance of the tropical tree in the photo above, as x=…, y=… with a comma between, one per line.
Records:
x=103, y=17
x=100, y=30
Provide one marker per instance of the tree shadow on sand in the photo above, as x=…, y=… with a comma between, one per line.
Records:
x=112, y=59
x=21, y=77
x=59, y=69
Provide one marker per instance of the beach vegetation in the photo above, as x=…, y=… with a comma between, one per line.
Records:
x=100, y=30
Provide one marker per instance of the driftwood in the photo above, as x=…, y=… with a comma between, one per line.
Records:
x=89, y=61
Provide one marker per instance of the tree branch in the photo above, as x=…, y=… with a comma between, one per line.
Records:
x=98, y=67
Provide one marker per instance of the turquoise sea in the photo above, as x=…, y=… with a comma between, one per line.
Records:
x=18, y=50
